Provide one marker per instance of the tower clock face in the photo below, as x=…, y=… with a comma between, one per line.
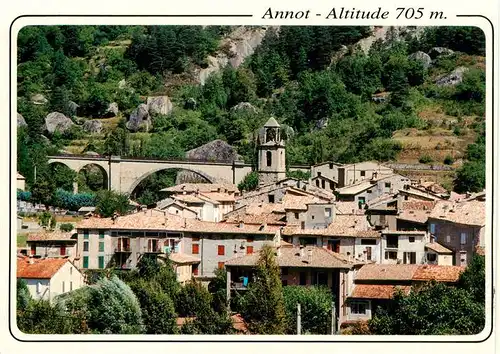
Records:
x=270, y=134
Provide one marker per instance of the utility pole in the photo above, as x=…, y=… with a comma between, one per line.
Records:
x=299, y=324
x=35, y=172
x=333, y=324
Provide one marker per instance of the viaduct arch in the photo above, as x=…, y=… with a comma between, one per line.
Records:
x=124, y=174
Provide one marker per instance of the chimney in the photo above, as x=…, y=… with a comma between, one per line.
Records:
x=349, y=256
x=241, y=224
x=301, y=250
x=185, y=222
x=31, y=260
x=309, y=255
x=365, y=259
x=144, y=209
x=278, y=251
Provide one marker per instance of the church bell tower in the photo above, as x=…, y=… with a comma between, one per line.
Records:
x=272, y=167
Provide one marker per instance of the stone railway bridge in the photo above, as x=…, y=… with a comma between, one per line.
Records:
x=124, y=174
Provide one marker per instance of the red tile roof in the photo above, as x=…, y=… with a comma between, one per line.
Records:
x=466, y=213
x=52, y=236
x=429, y=272
x=369, y=291
x=438, y=248
x=40, y=269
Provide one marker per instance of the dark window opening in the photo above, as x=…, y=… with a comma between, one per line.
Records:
x=369, y=242
x=362, y=173
x=392, y=241
x=271, y=198
x=302, y=280
x=269, y=158
x=411, y=239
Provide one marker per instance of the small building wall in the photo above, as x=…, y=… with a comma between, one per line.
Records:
x=41, y=291
x=21, y=184
x=404, y=245
x=183, y=272
x=361, y=245
x=448, y=234
x=350, y=316
x=52, y=249
x=319, y=216
x=68, y=278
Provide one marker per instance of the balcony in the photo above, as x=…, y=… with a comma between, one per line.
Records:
x=123, y=249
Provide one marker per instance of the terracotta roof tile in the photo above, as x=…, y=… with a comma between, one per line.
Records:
x=57, y=235
x=438, y=248
x=345, y=208
x=342, y=225
x=369, y=291
x=44, y=268
x=418, y=205
x=159, y=220
x=386, y=272
x=419, y=216
x=220, y=197
x=293, y=202
x=466, y=213
x=429, y=272
x=313, y=257
x=182, y=258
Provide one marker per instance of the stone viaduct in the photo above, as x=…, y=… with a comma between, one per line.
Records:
x=124, y=174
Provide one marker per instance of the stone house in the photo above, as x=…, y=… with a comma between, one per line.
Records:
x=460, y=227
x=48, y=277
x=53, y=244
x=403, y=247
x=349, y=174
x=300, y=265
x=175, y=207
x=375, y=285
x=438, y=254
x=367, y=190
x=121, y=242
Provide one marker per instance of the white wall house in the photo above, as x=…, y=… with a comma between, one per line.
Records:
x=48, y=277
x=403, y=247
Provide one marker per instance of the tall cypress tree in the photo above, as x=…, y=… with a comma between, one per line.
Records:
x=263, y=306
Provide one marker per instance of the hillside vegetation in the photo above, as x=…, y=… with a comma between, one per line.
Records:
x=337, y=101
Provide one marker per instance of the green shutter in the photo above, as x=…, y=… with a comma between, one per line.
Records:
x=86, y=234
x=101, y=246
x=85, y=262
x=101, y=233
x=101, y=262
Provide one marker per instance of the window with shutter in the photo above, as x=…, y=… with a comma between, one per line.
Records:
x=249, y=249
x=221, y=250
x=195, y=249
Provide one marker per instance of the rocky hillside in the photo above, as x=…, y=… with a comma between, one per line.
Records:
x=400, y=94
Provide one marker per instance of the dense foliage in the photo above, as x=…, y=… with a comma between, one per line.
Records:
x=265, y=314
x=316, y=309
x=437, y=308
x=314, y=80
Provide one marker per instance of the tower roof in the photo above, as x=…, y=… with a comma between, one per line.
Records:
x=271, y=123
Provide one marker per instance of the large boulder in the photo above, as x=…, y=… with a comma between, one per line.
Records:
x=439, y=51
x=244, y=106
x=453, y=78
x=139, y=119
x=159, y=105
x=215, y=151
x=20, y=121
x=424, y=58
x=56, y=121
x=112, y=110
x=39, y=99
x=92, y=126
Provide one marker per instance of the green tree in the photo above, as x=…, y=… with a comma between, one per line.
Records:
x=23, y=295
x=217, y=287
x=40, y=317
x=473, y=279
x=157, y=308
x=470, y=177
x=265, y=314
x=250, y=182
x=109, y=202
x=43, y=190
x=435, y=309
x=315, y=305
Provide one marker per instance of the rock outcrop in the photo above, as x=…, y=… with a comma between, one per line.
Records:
x=56, y=121
x=39, y=99
x=453, y=78
x=216, y=151
x=20, y=121
x=92, y=126
x=139, y=119
x=244, y=106
x=439, y=51
x=424, y=58
x=159, y=105
x=112, y=110
x=234, y=49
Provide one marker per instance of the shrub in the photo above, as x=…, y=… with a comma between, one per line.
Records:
x=448, y=160
x=425, y=159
